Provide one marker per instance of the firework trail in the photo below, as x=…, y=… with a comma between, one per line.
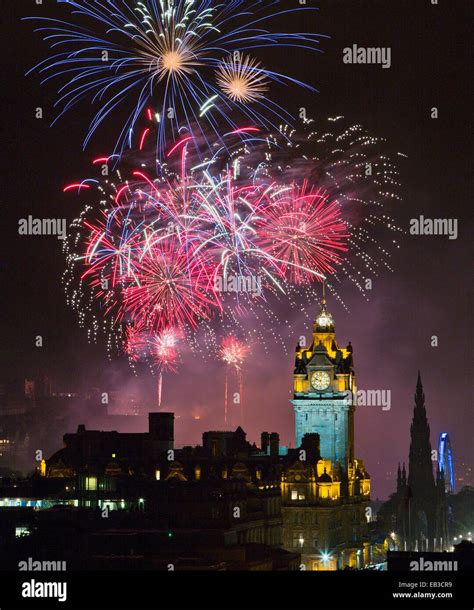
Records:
x=234, y=353
x=164, y=349
x=191, y=58
x=159, y=351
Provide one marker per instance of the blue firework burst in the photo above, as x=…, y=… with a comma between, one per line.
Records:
x=171, y=55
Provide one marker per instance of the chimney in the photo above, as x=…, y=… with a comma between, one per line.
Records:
x=161, y=431
x=274, y=444
x=265, y=441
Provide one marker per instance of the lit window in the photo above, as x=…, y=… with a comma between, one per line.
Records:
x=91, y=483
x=114, y=455
x=301, y=497
x=294, y=494
x=20, y=532
x=298, y=540
x=157, y=475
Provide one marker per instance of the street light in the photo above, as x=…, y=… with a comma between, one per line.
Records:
x=325, y=557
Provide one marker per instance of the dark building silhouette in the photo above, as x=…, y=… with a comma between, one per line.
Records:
x=132, y=499
x=417, y=511
x=304, y=507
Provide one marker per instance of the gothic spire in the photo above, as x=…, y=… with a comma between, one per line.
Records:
x=420, y=475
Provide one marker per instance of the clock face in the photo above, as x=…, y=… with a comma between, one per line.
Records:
x=320, y=380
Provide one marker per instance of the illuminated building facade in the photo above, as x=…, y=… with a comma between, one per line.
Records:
x=326, y=491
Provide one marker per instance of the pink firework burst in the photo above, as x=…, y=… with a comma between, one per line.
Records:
x=173, y=287
x=234, y=352
x=164, y=349
x=303, y=232
x=135, y=343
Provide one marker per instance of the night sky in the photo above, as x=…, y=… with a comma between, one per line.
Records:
x=428, y=293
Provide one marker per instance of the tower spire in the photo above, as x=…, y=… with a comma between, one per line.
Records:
x=420, y=469
x=324, y=322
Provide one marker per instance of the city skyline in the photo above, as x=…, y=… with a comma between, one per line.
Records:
x=392, y=333
x=237, y=304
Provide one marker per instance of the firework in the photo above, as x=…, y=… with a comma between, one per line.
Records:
x=303, y=232
x=168, y=53
x=242, y=79
x=159, y=350
x=164, y=349
x=135, y=344
x=229, y=214
x=223, y=246
x=234, y=353
x=358, y=178
x=171, y=288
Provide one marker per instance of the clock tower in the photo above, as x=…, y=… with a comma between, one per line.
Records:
x=324, y=391
x=325, y=489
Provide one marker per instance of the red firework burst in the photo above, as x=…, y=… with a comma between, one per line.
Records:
x=303, y=231
x=164, y=349
x=172, y=289
x=135, y=343
x=234, y=352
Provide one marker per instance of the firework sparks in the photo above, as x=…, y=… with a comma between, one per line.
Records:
x=172, y=286
x=242, y=80
x=135, y=345
x=234, y=353
x=205, y=247
x=164, y=350
x=168, y=52
x=304, y=233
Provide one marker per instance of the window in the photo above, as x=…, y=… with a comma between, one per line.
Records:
x=91, y=483
x=20, y=532
x=297, y=494
x=157, y=475
x=298, y=540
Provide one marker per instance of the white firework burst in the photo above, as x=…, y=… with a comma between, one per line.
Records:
x=170, y=46
x=242, y=79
